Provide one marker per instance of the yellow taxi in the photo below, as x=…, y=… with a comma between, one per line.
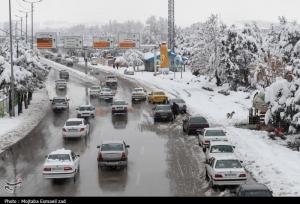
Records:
x=157, y=97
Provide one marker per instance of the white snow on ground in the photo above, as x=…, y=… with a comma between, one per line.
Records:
x=14, y=129
x=269, y=161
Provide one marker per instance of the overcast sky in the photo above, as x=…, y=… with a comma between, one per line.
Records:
x=187, y=11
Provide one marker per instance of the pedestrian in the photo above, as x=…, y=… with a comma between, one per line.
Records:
x=175, y=110
x=114, y=65
x=117, y=65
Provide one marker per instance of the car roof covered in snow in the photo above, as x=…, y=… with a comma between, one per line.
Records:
x=59, y=98
x=212, y=143
x=86, y=106
x=226, y=157
x=60, y=151
x=221, y=129
x=113, y=142
x=75, y=120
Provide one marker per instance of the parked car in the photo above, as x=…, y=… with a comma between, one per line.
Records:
x=95, y=91
x=163, y=112
x=61, y=84
x=181, y=103
x=119, y=107
x=69, y=62
x=86, y=111
x=94, y=61
x=106, y=94
x=209, y=135
x=219, y=148
x=225, y=171
x=63, y=74
x=76, y=128
x=254, y=190
x=113, y=154
x=60, y=103
x=75, y=60
x=61, y=164
x=192, y=124
x=128, y=72
x=94, y=71
x=111, y=81
x=139, y=94
x=157, y=97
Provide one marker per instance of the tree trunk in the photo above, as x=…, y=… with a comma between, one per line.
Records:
x=10, y=104
x=29, y=97
x=219, y=83
x=20, y=102
x=25, y=97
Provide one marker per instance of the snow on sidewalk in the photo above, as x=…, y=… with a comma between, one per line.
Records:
x=269, y=162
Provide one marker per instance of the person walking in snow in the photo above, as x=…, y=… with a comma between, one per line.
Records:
x=175, y=110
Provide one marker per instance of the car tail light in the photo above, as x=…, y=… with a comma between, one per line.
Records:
x=47, y=169
x=68, y=168
x=218, y=176
x=206, y=126
x=113, y=108
x=207, y=142
x=125, y=108
x=123, y=156
x=100, y=157
x=243, y=176
x=64, y=129
x=82, y=129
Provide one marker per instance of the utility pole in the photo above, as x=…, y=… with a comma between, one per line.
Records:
x=12, y=78
x=26, y=24
x=171, y=31
x=26, y=28
x=86, y=72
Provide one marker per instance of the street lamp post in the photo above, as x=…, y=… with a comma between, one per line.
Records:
x=26, y=26
x=12, y=78
x=32, y=2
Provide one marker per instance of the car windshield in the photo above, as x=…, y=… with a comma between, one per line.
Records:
x=85, y=108
x=159, y=93
x=213, y=133
x=119, y=103
x=198, y=120
x=73, y=123
x=112, y=147
x=61, y=81
x=257, y=193
x=110, y=77
x=222, y=149
x=138, y=90
x=59, y=100
x=95, y=88
x=178, y=101
x=106, y=89
x=165, y=108
x=59, y=157
x=228, y=164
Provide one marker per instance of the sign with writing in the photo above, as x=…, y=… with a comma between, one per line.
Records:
x=103, y=43
x=164, y=55
x=46, y=40
x=73, y=42
x=129, y=40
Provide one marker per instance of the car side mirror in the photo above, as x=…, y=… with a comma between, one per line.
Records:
x=78, y=155
x=77, y=108
x=68, y=99
x=98, y=147
x=234, y=147
x=127, y=146
x=241, y=162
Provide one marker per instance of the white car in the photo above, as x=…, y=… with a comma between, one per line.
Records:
x=86, y=111
x=128, y=72
x=95, y=91
x=76, y=128
x=106, y=94
x=111, y=81
x=61, y=84
x=209, y=135
x=219, y=148
x=61, y=164
x=60, y=103
x=119, y=107
x=225, y=171
x=139, y=94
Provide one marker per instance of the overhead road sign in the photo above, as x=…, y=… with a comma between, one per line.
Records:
x=46, y=40
x=103, y=42
x=129, y=40
x=73, y=42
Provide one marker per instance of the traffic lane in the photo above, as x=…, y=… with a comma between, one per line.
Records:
x=26, y=158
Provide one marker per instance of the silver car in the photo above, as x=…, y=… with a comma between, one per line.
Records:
x=181, y=103
x=113, y=154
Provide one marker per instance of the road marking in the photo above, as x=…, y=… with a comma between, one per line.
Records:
x=138, y=179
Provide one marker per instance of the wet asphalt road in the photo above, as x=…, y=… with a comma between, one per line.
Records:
x=162, y=161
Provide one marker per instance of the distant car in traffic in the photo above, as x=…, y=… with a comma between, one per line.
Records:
x=60, y=103
x=119, y=107
x=76, y=128
x=61, y=164
x=181, y=103
x=254, y=190
x=63, y=74
x=113, y=154
x=106, y=94
x=86, y=111
x=128, y=72
x=209, y=135
x=95, y=91
x=193, y=124
x=61, y=84
x=163, y=113
x=139, y=94
x=225, y=171
x=219, y=148
x=111, y=81
x=157, y=97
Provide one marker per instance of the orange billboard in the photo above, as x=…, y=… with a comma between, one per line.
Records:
x=127, y=44
x=44, y=43
x=164, y=55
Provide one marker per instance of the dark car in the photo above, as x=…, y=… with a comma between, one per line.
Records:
x=64, y=75
x=192, y=125
x=163, y=112
x=254, y=190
